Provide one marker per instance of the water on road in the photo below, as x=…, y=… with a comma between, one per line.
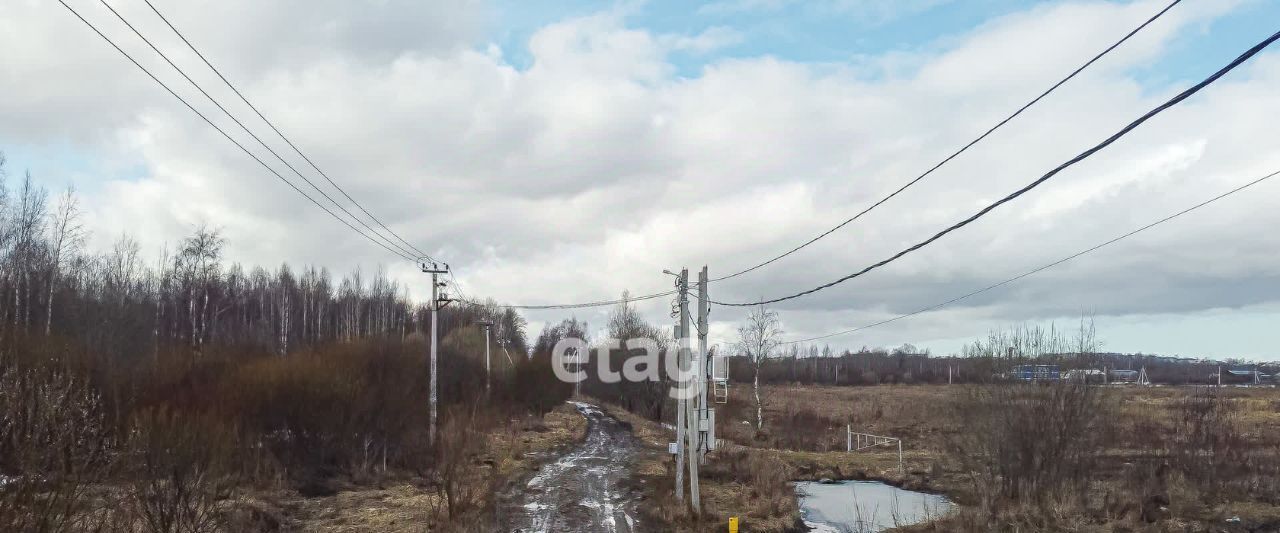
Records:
x=581, y=491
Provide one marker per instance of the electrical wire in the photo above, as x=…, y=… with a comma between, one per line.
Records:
x=228, y=137
x=1045, y=266
x=1080, y=157
x=282, y=135
x=246, y=129
x=926, y=173
x=598, y=303
x=962, y=149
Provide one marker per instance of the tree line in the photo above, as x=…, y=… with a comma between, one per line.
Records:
x=166, y=384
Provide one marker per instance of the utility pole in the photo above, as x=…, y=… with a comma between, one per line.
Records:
x=682, y=331
x=435, y=272
x=694, y=416
x=704, y=412
x=690, y=411
x=487, y=324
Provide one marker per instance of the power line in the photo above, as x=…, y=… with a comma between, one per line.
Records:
x=582, y=305
x=1045, y=266
x=224, y=133
x=282, y=135
x=598, y=303
x=1082, y=156
x=224, y=110
x=404, y=253
x=904, y=187
x=962, y=149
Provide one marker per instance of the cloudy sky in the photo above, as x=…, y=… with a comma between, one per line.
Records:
x=555, y=152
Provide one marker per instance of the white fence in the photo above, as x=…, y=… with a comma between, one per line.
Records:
x=861, y=441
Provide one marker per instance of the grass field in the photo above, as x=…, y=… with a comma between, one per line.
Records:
x=508, y=453
x=1164, y=458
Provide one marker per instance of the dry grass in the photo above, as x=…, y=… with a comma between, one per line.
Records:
x=804, y=438
x=511, y=452
x=750, y=484
x=399, y=507
x=1143, y=428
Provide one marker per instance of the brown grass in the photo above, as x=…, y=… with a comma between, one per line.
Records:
x=805, y=425
x=750, y=484
x=511, y=451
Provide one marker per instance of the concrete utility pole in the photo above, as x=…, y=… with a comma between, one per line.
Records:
x=435, y=272
x=694, y=417
x=682, y=331
x=704, y=368
x=487, y=374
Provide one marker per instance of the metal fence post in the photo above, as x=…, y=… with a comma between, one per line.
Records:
x=901, y=471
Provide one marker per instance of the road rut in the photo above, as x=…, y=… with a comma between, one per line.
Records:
x=582, y=490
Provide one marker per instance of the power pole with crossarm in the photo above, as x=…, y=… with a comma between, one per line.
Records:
x=436, y=300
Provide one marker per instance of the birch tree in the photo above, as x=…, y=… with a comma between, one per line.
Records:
x=757, y=341
x=66, y=238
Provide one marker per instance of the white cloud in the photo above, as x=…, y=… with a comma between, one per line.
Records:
x=873, y=12
x=598, y=165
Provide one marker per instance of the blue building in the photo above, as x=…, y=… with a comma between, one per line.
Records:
x=1036, y=373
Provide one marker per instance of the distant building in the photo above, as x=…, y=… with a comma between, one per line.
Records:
x=1035, y=373
x=1088, y=375
x=1124, y=376
x=1242, y=377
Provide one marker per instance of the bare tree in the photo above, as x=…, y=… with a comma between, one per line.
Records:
x=66, y=238
x=284, y=306
x=27, y=230
x=199, y=258
x=757, y=340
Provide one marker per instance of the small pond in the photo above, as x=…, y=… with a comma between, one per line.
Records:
x=864, y=506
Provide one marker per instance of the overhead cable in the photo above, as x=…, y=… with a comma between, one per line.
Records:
x=1015, y=194
x=962, y=149
x=405, y=251
x=1042, y=267
x=282, y=135
x=229, y=137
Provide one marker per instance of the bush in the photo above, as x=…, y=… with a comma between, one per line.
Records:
x=53, y=445
x=181, y=471
x=1033, y=444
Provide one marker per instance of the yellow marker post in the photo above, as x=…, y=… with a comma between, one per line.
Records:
x=733, y=524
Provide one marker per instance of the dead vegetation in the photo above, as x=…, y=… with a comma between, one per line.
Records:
x=1034, y=458
x=236, y=441
x=751, y=484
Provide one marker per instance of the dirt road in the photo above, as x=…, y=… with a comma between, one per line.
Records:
x=583, y=490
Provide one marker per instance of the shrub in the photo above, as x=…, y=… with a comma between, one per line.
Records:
x=181, y=471
x=1031, y=444
x=53, y=445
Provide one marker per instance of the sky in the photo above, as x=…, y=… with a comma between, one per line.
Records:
x=559, y=152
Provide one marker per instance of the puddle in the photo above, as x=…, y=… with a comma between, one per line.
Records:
x=864, y=506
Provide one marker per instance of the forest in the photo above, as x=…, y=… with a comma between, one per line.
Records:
x=136, y=395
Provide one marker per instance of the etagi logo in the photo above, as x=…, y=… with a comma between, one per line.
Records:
x=571, y=356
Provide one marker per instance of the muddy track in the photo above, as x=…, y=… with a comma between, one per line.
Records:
x=584, y=490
